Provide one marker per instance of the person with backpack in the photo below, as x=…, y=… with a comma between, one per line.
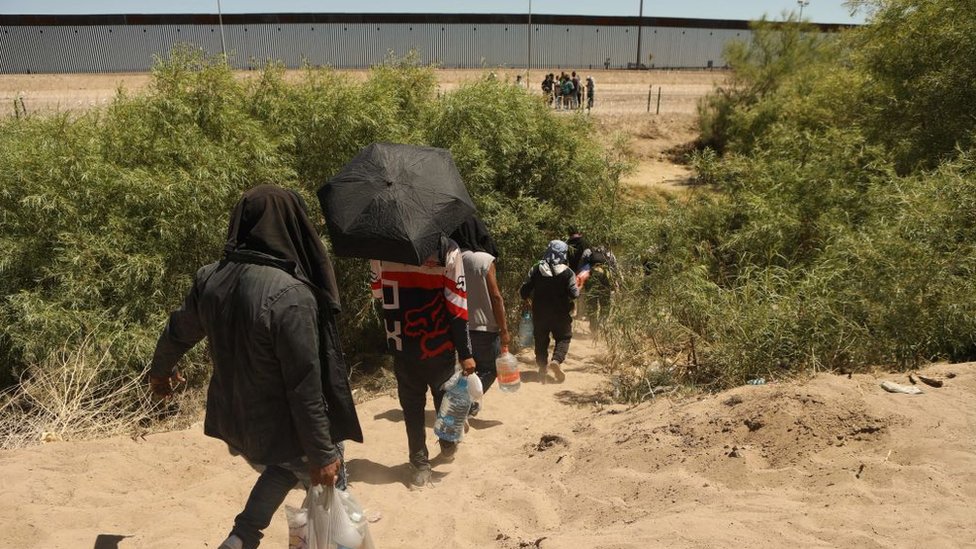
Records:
x=579, y=249
x=568, y=92
x=600, y=286
x=547, y=88
x=550, y=290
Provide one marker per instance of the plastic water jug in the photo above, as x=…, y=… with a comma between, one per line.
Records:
x=455, y=405
x=525, y=330
x=507, y=370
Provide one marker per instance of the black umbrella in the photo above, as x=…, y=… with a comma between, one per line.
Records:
x=394, y=202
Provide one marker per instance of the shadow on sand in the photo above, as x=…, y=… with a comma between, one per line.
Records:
x=396, y=416
x=108, y=541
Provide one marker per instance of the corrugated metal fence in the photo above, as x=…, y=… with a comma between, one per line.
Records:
x=123, y=43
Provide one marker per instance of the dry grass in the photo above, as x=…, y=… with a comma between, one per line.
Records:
x=70, y=398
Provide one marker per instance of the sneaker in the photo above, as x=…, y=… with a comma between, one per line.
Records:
x=232, y=542
x=448, y=448
x=542, y=375
x=419, y=476
x=557, y=371
x=475, y=408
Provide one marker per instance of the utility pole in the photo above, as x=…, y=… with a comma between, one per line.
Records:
x=803, y=4
x=220, y=23
x=640, y=23
x=528, y=64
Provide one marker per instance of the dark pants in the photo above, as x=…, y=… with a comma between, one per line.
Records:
x=486, y=347
x=597, y=308
x=270, y=491
x=561, y=329
x=414, y=378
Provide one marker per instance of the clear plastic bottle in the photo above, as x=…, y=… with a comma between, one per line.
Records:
x=507, y=370
x=455, y=405
x=525, y=332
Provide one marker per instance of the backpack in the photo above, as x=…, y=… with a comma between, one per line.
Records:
x=598, y=256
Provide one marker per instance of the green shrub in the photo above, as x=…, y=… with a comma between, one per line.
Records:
x=837, y=229
x=108, y=213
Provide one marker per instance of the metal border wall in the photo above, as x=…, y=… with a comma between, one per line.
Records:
x=79, y=44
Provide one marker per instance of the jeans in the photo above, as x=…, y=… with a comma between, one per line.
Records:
x=486, y=347
x=561, y=329
x=270, y=491
x=414, y=377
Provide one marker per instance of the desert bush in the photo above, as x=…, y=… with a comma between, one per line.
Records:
x=108, y=213
x=917, y=93
x=779, y=54
x=837, y=226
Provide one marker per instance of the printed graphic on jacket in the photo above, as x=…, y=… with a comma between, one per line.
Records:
x=425, y=308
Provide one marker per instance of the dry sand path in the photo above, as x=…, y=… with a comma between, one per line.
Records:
x=826, y=462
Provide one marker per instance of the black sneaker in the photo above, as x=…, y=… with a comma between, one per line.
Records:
x=475, y=408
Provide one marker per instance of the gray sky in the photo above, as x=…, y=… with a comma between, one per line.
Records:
x=819, y=11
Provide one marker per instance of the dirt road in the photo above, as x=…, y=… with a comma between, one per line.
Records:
x=826, y=462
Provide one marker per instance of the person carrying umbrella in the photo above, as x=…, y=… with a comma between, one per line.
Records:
x=395, y=204
x=425, y=312
x=550, y=289
x=279, y=394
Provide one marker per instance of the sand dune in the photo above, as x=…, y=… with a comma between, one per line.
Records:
x=826, y=462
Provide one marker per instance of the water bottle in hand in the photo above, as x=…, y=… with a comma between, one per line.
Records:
x=454, y=409
x=507, y=370
x=525, y=330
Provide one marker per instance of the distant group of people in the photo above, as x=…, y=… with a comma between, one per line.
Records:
x=279, y=393
x=567, y=91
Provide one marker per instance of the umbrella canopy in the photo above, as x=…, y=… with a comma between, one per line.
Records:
x=394, y=202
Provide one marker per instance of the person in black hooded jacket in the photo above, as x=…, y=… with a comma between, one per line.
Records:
x=279, y=394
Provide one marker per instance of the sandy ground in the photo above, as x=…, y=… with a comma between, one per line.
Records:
x=830, y=461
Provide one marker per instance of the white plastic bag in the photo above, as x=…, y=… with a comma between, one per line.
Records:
x=297, y=527
x=475, y=388
x=452, y=381
x=335, y=520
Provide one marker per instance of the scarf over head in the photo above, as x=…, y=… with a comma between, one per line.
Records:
x=270, y=226
x=273, y=221
x=556, y=253
x=473, y=235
